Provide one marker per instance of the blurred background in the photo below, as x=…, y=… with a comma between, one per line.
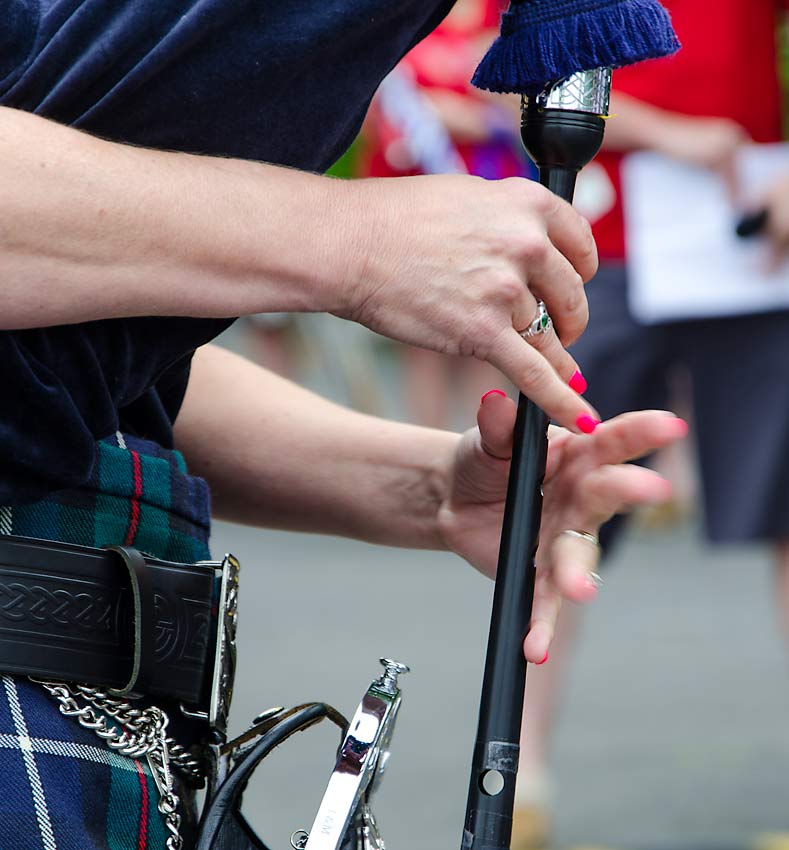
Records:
x=662, y=719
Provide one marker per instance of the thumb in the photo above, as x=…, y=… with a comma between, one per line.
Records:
x=496, y=421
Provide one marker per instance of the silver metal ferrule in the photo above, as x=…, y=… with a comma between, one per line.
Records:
x=586, y=91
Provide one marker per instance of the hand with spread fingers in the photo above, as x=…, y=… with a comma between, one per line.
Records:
x=587, y=481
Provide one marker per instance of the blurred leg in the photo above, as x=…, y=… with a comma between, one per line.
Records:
x=741, y=408
x=543, y=691
x=677, y=463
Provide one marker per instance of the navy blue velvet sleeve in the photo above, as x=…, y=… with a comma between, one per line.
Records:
x=67, y=387
x=283, y=81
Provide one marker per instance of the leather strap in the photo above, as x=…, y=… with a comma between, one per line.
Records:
x=144, y=620
x=222, y=826
x=80, y=614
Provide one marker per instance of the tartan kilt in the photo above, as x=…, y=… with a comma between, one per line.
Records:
x=61, y=787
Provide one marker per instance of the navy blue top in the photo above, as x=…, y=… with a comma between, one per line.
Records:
x=283, y=81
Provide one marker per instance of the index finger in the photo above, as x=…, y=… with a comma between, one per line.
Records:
x=632, y=435
x=537, y=379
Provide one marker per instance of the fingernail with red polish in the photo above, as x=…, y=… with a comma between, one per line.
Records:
x=586, y=423
x=492, y=392
x=543, y=661
x=683, y=426
x=578, y=383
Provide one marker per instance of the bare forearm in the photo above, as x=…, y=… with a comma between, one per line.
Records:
x=276, y=455
x=707, y=141
x=634, y=125
x=91, y=229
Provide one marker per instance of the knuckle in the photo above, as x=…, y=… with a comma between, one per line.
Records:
x=586, y=228
x=576, y=313
x=575, y=300
x=533, y=246
x=540, y=198
x=512, y=184
x=511, y=288
x=503, y=285
x=589, y=258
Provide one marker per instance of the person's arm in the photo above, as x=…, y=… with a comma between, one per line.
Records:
x=636, y=125
x=94, y=229
x=276, y=455
x=91, y=229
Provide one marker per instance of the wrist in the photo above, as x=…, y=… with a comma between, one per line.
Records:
x=423, y=484
x=278, y=239
x=345, y=223
x=341, y=242
x=439, y=487
x=372, y=212
x=315, y=250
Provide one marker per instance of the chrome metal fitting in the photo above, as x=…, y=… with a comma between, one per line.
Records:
x=585, y=91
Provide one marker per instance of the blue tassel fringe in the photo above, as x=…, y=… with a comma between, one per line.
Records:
x=545, y=40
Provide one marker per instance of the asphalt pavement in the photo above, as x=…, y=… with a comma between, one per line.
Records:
x=673, y=733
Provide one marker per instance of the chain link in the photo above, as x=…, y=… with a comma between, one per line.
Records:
x=135, y=732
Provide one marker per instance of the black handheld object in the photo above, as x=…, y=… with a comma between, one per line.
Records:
x=752, y=224
x=562, y=130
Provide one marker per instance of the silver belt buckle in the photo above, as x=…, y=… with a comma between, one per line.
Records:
x=217, y=711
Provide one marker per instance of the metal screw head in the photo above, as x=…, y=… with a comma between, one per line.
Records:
x=388, y=680
x=299, y=839
x=394, y=667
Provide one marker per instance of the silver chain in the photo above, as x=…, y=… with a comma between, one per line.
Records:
x=139, y=732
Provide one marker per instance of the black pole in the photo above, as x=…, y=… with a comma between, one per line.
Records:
x=561, y=143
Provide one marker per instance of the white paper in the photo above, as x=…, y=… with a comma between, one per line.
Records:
x=684, y=260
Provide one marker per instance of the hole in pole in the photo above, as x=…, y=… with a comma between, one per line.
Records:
x=491, y=782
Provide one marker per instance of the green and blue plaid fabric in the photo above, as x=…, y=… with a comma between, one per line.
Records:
x=62, y=787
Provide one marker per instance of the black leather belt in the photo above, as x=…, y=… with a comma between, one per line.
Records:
x=115, y=618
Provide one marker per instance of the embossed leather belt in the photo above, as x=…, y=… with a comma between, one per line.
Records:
x=115, y=618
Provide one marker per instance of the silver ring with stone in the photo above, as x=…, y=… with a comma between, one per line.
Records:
x=541, y=324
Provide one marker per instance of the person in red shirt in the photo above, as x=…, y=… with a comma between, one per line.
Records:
x=483, y=128
x=698, y=107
